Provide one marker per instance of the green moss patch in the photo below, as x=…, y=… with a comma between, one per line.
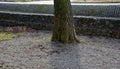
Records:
x=9, y=36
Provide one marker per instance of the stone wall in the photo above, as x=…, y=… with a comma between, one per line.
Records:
x=99, y=26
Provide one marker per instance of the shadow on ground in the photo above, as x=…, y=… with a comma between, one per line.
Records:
x=64, y=56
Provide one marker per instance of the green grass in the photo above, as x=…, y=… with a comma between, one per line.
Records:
x=9, y=36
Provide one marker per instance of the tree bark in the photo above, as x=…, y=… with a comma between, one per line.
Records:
x=64, y=29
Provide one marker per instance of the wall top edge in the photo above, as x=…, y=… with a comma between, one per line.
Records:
x=51, y=3
x=39, y=14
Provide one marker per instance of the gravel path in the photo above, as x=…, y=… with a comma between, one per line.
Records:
x=35, y=51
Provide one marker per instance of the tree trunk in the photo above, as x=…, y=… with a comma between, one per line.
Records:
x=64, y=29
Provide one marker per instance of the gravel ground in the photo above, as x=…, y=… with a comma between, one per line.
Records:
x=35, y=51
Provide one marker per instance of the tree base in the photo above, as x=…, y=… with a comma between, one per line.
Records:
x=65, y=41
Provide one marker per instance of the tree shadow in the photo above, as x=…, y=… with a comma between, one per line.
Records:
x=64, y=56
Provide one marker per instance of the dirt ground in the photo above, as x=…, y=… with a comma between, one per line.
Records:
x=34, y=50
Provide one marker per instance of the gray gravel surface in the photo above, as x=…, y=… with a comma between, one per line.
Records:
x=35, y=51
